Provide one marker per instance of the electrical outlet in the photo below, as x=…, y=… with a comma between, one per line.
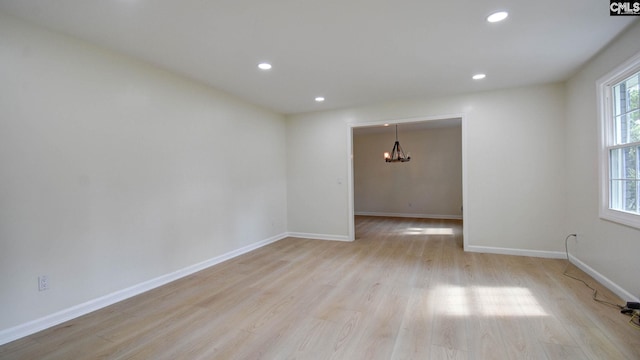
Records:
x=43, y=283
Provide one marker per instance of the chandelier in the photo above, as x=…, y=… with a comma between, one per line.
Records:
x=397, y=154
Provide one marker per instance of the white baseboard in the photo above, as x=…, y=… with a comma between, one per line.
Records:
x=615, y=288
x=319, y=236
x=405, y=215
x=518, y=252
x=73, y=312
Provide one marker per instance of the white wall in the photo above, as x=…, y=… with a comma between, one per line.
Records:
x=113, y=172
x=608, y=248
x=317, y=176
x=430, y=185
x=513, y=149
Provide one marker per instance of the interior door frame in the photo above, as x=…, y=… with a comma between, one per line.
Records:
x=351, y=189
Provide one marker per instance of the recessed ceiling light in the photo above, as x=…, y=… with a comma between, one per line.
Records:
x=386, y=124
x=497, y=16
x=478, y=76
x=264, y=66
x=319, y=99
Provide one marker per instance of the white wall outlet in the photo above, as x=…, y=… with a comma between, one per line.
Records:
x=43, y=283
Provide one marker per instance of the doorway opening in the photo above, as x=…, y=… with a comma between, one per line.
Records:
x=431, y=185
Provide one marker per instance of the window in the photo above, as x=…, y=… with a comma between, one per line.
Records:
x=620, y=144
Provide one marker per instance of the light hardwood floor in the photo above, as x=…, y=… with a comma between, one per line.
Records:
x=403, y=290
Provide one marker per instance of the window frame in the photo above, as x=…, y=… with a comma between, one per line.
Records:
x=606, y=131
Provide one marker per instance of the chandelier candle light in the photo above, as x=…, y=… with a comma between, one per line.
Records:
x=397, y=154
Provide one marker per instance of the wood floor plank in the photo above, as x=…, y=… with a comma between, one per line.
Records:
x=556, y=351
x=416, y=330
x=404, y=289
x=439, y=352
x=594, y=343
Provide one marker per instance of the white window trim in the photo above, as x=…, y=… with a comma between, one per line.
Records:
x=604, y=85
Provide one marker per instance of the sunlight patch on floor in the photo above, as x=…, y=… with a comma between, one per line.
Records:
x=487, y=301
x=428, y=231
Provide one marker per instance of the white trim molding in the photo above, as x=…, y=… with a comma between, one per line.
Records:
x=517, y=252
x=416, y=216
x=606, y=141
x=31, y=327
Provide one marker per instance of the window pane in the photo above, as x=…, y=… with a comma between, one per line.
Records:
x=634, y=124
x=625, y=110
x=625, y=179
x=624, y=163
x=624, y=195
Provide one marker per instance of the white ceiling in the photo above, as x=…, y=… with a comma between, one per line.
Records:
x=352, y=52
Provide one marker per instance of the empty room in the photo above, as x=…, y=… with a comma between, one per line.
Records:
x=305, y=180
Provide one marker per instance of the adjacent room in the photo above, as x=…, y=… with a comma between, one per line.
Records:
x=427, y=185
x=209, y=179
